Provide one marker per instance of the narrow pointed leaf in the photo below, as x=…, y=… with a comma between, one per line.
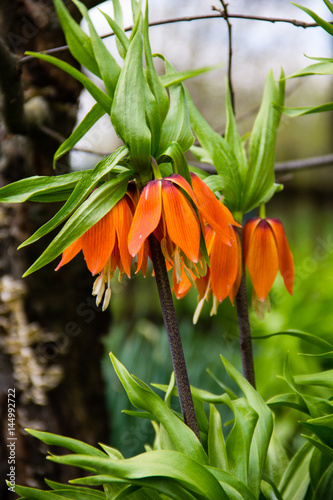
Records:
x=295, y=480
x=321, y=22
x=128, y=112
x=239, y=441
x=71, y=444
x=180, y=166
x=178, y=77
x=233, y=138
x=322, y=427
x=176, y=126
x=99, y=96
x=220, y=152
x=323, y=379
x=32, y=188
x=322, y=68
x=168, y=464
x=235, y=489
x=108, y=68
x=78, y=41
x=260, y=174
x=121, y=39
x=89, y=180
x=262, y=432
x=154, y=82
x=217, y=454
x=307, y=110
x=307, y=337
x=96, y=112
x=164, y=485
x=181, y=436
x=91, y=211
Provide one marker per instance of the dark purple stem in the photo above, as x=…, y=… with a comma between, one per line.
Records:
x=244, y=326
x=172, y=329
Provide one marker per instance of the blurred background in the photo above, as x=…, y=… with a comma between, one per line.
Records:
x=65, y=382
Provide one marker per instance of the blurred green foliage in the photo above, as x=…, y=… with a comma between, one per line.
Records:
x=138, y=339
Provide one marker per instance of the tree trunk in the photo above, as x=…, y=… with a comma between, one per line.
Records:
x=50, y=328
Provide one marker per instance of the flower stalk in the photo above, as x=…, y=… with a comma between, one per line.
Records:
x=172, y=329
x=244, y=325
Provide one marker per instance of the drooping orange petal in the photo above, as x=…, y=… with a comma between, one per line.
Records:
x=122, y=218
x=143, y=259
x=181, y=221
x=235, y=287
x=146, y=216
x=223, y=267
x=181, y=182
x=247, y=232
x=285, y=256
x=98, y=243
x=183, y=286
x=202, y=285
x=212, y=210
x=70, y=253
x=262, y=259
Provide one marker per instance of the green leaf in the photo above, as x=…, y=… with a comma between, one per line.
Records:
x=128, y=113
x=178, y=77
x=65, y=442
x=181, y=436
x=78, y=41
x=324, y=379
x=217, y=454
x=154, y=82
x=121, y=39
x=323, y=448
x=108, y=68
x=149, y=485
x=176, y=126
x=307, y=110
x=290, y=400
x=324, y=489
x=239, y=441
x=88, y=181
x=96, y=112
x=233, y=138
x=167, y=464
x=262, y=432
x=75, y=492
x=179, y=162
x=329, y=5
x=34, y=494
x=321, y=22
x=295, y=480
x=260, y=175
x=35, y=187
x=235, y=489
x=327, y=355
x=322, y=68
x=99, y=96
x=322, y=427
x=307, y=337
x=220, y=152
x=101, y=201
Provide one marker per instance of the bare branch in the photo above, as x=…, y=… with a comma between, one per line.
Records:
x=221, y=13
x=226, y=17
x=283, y=167
x=304, y=164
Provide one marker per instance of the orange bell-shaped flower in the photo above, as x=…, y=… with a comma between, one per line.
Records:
x=266, y=251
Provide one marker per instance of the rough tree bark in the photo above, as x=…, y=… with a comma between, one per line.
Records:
x=49, y=326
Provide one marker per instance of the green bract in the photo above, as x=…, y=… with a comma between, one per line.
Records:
x=245, y=182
